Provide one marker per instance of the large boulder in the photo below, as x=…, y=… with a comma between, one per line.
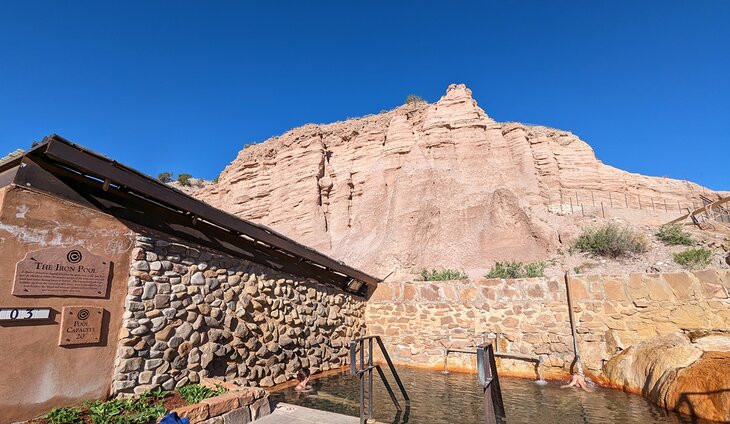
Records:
x=703, y=388
x=687, y=373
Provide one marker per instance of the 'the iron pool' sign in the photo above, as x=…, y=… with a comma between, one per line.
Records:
x=62, y=271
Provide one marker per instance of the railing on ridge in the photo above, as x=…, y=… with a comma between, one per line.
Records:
x=365, y=371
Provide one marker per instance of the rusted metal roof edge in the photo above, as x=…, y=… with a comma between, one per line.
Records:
x=66, y=152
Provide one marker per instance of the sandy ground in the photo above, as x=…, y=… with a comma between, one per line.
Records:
x=659, y=257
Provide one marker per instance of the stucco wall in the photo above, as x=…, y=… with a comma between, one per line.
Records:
x=37, y=374
x=192, y=312
x=418, y=319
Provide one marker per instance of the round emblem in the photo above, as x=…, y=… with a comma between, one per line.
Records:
x=83, y=314
x=74, y=256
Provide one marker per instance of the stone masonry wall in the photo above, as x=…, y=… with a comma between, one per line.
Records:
x=191, y=313
x=419, y=319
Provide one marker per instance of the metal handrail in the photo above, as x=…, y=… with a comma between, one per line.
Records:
x=489, y=380
x=364, y=370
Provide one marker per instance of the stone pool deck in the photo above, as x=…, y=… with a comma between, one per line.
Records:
x=285, y=413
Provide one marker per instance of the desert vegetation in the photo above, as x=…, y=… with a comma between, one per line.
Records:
x=514, y=269
x=674, y=234
x=164, y=177
x=693, y=258
x=442, y=274
x=611, y=240
x=184, y=179
x=412, y=98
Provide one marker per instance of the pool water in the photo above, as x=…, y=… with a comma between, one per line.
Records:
x=457, y=398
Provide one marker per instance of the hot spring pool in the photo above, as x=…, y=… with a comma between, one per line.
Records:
x=438, y=398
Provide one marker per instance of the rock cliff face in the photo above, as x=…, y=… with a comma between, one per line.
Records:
x=428, y=185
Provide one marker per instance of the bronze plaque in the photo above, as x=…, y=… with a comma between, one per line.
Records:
x=80, y=325
x=62, y=271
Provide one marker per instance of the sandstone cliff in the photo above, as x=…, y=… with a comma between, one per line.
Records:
x=432, y=185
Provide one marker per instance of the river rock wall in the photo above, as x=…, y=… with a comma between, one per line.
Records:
x=419, y=320
x=191, y=312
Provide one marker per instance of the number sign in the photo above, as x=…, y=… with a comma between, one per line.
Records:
x=22, y=314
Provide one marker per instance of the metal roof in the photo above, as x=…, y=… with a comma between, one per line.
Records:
x=63, y=168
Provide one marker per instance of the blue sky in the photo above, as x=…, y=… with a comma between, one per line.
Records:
x=183, y=85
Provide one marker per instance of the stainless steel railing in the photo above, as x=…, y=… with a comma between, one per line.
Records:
x=365, y=372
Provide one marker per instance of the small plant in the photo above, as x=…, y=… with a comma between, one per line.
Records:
x=535, y=269
x=184, y=179
x=67, y=415
x=611, y=240
x=585, y=266
x=109, y=412
x=412, y=98
x=693, y=258
x=514, y=269
x=147, y=408
x=194, y=393
x=443, y=275
x=674, y=234
x=164, y=177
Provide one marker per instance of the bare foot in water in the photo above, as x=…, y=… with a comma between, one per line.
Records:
x=578, y=381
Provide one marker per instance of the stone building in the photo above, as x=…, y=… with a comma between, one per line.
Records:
x=113, y=283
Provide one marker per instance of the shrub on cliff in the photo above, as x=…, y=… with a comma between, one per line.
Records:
x=164, y=177
x=184, y=179
x=673, y=234
x=412, y=98
x=513, y=269
x=442, y=275
x=611, y=240
x=693, y=258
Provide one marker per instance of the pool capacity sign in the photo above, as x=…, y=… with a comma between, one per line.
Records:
x=80, y=325
x=62, y=271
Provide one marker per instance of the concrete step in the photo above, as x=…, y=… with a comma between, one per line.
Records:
x=285, y=413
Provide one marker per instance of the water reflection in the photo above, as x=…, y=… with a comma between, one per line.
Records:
x=456, y=398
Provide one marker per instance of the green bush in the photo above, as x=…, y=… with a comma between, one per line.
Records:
x=147, y=408
x=66, y=415
x=611, y=240
x=194, y=393
x=693, y=258
x=674, y=234
x=412, y=98
x=109, y=412
x=184, y=179
x=513, y=269
x=164, y=177
x=443, y=275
